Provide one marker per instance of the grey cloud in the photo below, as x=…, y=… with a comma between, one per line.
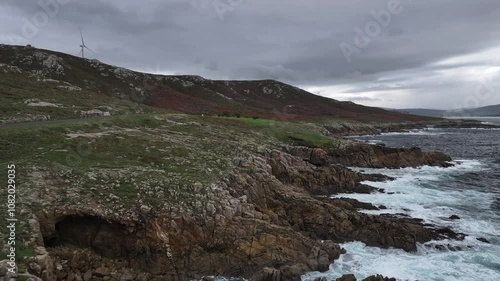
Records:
x=293, y=41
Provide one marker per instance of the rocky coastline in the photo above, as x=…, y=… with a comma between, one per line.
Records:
x=274, y=222
x=358, y=129
x=201, y=196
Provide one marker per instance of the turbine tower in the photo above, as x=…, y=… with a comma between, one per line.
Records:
x=83, y=46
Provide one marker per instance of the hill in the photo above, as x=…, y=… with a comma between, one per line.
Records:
x=491, y=110
x=64, y=85
x=422, y=112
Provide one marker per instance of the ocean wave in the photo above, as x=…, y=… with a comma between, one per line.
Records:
x=420, y=193
x=430, y=193
x=425, y=132
x=482, y=262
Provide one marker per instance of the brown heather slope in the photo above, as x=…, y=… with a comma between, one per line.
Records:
x=187, y=94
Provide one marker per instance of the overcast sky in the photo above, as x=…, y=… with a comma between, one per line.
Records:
x=387, y=53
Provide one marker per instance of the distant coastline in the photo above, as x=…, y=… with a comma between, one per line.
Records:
x=487, y=119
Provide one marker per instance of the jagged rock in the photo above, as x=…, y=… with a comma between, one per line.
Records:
x=61, y=274
x=484, y=240
x=379, y=278
x=87, y=276
x=317, y=180
x=142, y=277
x=360, y=154
x=127, y=276
x=268, y=274
x=3, y=271
x=348, y=277
x=353, y=204
x=102, y=271
x=315, y=156
x=71, y=276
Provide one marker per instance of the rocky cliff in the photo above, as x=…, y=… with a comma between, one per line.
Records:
x=272, y=222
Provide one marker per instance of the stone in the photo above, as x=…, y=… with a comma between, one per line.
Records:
x=142, y=277
x=87, y=276
x=347, y=277
x=71, y=276
x=75, y=262
x=379, y=278
x=454, y=217
x=145, y=209
x=102, y=271
x=41, y=251
x=3, y=271
x=268, y=274
x=127, y=276
x=28, y=277
x=484, y=240
x=61, y=274
x=35, y=267
x=46, y=275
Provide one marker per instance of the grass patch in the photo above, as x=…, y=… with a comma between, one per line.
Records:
x=301, y=134
x=287, y=132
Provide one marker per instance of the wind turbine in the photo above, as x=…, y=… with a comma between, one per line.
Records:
x=83, y=46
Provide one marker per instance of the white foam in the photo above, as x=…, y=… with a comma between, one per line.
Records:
x=486, y=129
x=414, y=132
x=477, y=263
x=419, y=132
x=416, y=192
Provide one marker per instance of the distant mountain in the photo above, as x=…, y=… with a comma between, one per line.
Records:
x=491, y=110
x=422, y=112
x=53, y=78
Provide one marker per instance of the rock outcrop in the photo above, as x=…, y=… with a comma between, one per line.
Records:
x=356, y=129
x=351, y=277
x=358, y=154
x=271, y=223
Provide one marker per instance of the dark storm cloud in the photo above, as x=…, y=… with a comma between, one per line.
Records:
x=290, y=40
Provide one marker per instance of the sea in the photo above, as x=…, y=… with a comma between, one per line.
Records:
x=469, y=190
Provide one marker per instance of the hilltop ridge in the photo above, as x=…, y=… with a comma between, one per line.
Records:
x=180, y=93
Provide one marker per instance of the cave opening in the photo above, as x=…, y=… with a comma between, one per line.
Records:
x=105, y=238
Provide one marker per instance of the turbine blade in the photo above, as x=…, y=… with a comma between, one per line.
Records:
x=81, y=35
x=89, y=50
